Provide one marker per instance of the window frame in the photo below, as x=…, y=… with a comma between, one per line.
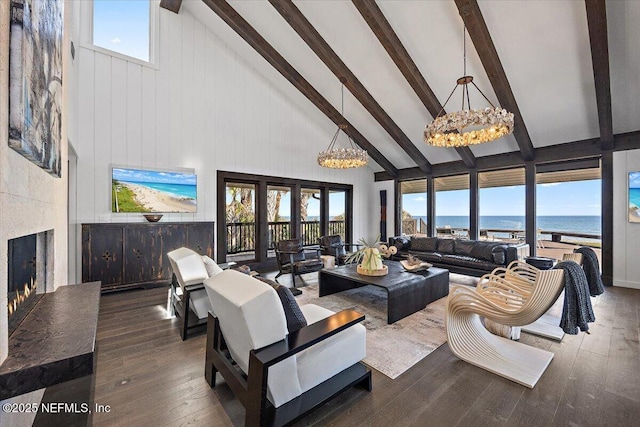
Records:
x=86, y=13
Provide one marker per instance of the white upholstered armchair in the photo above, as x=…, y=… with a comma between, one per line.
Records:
x=187, y=288
x=282, y=375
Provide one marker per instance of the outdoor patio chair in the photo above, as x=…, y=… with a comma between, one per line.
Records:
x=278, y=369
x=292, y=258
x=510, y=303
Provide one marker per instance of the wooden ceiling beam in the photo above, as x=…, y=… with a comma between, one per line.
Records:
x=576, y=150
x=172, y=5
x=396, y=50
x=316, y=42
x=597, y=22
x=477, y=28
x=257, y=42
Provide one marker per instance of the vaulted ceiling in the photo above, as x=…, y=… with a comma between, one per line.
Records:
x=400, y=61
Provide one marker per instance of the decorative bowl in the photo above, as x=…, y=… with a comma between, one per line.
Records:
x=381, y=272
x=153, y=217
x=415, y=267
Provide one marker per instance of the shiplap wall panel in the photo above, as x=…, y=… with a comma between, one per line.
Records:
x=134, y=114
x=149, y=116
x=86, y=141
x=202, y=108
x=102, y=126
x=118, y=111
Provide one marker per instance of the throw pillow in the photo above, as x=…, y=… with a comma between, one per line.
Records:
x=483, y=250
x=464, y=247
x=244, y=269
x=446, y=246
x=292, y=312
x=499, y=254
x=211, y=266
x=401, y=242
x=425, y=244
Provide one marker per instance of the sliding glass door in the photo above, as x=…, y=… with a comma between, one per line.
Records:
x=337, y=213
x=240, y=221
x=278, y=216
x=310, y=203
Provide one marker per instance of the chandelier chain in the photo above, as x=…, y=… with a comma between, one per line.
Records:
x=341, y=158
x=468, y=126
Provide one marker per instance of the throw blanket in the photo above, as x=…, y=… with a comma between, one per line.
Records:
x=576, y=311
x=592, y=270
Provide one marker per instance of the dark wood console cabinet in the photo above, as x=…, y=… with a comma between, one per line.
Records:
x=124, y=255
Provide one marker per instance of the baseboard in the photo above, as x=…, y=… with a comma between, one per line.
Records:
x=626, y=284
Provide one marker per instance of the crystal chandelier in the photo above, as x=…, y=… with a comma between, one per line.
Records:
x=342, y=158
x=484, y=125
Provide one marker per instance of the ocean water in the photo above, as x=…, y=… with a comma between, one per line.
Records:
x=576, y=224
x=176, y=190
x=634, y=196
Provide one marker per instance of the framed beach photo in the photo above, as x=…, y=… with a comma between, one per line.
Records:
x=153, y=191
x=634, y=197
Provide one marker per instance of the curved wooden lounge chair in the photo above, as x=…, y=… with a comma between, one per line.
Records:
x=508, y=303
x=573, y=256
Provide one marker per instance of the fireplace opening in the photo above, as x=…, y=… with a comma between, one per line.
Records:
x=22, y=277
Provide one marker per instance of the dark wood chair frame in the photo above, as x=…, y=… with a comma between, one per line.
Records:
x=251, y=389
x=290, y=267
x=181, y=306
x=331, y=250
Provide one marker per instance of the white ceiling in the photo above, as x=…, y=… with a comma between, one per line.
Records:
x=543, y=46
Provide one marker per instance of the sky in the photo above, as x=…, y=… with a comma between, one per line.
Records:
x=634, y=179
x=122, y=26
x=559, y=199
x=136, y=175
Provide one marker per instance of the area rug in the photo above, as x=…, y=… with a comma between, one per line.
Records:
x=391, y=349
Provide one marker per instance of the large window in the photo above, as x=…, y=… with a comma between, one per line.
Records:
x=568, y=210
x=502, y=205
x=452, y=206
x=255, y=212
x=124, y=27
x=413, y=201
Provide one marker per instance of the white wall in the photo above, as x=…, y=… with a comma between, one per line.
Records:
x=626, y=235
x=203, y=107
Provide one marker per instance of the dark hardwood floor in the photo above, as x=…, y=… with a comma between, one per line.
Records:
x=149, y=376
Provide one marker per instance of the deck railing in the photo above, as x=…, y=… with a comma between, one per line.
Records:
x=241, y=235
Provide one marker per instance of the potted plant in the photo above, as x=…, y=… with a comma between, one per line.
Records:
x=369, y=258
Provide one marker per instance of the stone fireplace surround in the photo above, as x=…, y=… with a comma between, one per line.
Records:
x=31, y=200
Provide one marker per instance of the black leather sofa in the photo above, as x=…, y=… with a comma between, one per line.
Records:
x=471, y=257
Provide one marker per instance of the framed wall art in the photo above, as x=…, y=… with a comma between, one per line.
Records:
x=35, y=81
x=634, y=197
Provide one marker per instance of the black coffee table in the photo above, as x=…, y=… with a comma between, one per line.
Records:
x=406, y=292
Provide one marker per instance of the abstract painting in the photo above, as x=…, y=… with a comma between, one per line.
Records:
x=634, y=197
x=35, y=81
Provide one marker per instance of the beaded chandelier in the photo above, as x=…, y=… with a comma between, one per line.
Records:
x=482, y=125
x=342, y=158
